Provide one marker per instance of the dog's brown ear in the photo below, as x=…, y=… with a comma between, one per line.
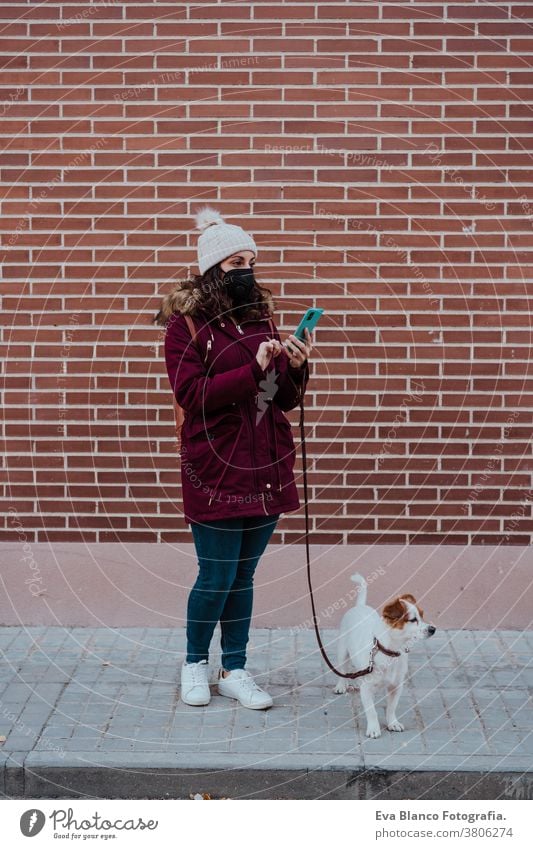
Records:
x=395, y=613
x=412, y=599
x=409, y=597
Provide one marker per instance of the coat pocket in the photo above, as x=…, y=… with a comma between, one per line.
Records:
x=212, y=436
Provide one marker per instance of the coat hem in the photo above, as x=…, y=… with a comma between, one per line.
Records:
x=278, y=508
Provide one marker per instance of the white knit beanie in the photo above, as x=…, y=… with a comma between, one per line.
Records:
x=219, y=240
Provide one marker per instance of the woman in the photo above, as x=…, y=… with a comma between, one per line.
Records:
x=237, y=452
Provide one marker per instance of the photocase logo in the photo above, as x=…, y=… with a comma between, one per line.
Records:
x=32, y=822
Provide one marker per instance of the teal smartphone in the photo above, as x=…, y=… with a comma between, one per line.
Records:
x=310, y=320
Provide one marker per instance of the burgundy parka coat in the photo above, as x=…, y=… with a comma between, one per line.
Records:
x=237, y=448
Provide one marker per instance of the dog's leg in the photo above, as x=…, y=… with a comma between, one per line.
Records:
x=342, y=657
x=372, y=721
x=394, y=692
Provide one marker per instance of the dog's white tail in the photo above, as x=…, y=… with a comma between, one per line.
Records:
x=361, y=583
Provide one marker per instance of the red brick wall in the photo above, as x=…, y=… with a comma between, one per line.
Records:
x=381, y=155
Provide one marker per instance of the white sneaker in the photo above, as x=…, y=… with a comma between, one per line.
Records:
x=240, y=685
x=194, y=687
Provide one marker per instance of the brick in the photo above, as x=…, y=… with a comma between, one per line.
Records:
x=371, y=189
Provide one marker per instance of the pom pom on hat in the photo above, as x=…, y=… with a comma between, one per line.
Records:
x=219, y=240
x=206, y=216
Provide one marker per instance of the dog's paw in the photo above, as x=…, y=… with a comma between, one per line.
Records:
x=373, y=731
x=396, y=726
x=340, y=688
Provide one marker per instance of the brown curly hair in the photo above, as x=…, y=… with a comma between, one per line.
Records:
x=213, y=299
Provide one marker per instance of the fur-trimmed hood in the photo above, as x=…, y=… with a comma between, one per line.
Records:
x=183, y=299
x=188, y=301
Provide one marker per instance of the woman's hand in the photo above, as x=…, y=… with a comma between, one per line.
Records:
x=267, y=350
x=296, y=350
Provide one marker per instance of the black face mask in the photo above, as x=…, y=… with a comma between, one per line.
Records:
x=240, y=283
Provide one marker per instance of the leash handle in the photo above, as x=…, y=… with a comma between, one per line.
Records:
x=376, y=644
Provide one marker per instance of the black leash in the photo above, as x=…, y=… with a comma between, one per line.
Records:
x=377, y=646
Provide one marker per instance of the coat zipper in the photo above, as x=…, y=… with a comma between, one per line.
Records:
x=251, y=429
x=241, y=331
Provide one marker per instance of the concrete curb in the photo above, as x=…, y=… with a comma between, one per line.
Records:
x=159, y=776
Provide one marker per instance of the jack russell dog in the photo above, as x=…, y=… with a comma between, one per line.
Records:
x=367, y=639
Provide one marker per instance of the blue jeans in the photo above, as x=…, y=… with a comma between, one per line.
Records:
x=228, y=552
